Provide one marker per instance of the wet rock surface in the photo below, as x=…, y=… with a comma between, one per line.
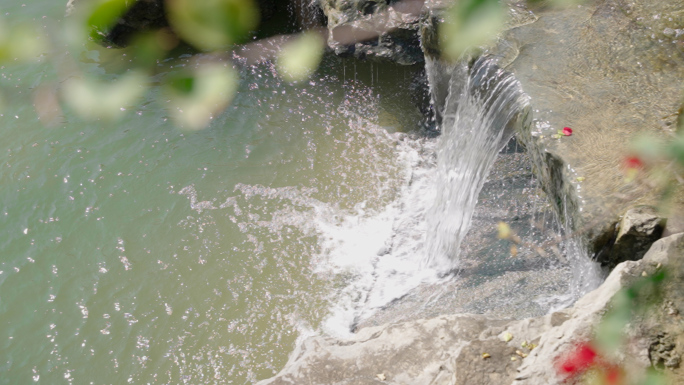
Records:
x=610, y=71
x=474, y=349
x=491, y=278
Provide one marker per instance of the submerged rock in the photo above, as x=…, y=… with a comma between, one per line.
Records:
x=375, y=29
x=474, y=349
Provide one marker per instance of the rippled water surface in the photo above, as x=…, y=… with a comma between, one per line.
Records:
x=133, y=251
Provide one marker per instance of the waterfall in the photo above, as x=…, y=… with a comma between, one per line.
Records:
x=306, y=13
x=482, y=104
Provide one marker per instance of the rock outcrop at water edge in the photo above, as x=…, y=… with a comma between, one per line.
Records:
x=476, y=350
x=611, y=71
x=375, y=29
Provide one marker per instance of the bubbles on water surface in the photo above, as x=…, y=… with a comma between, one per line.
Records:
x=300, y=210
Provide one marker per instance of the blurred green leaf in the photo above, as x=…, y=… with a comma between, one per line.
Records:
x=104, y=14
x=675, y=149
x=470, y=23
x=300, y=57
x=197, y=96
x=20, y=42
x=653, y=378
x=148, y=47
x=637, y=297
x=212, y=24
x=182, y=84
x=609, y=332
x=647, y=147
x=93, y=98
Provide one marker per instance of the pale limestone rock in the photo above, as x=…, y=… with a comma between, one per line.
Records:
x=449, y=350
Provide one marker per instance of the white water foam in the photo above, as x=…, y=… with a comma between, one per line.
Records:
x=381, y=254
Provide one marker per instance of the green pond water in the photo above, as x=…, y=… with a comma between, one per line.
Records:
x=135, y=252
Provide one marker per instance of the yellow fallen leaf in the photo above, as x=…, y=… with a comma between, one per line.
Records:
x=504, y=230
x=521, y=354
x=506, y=337
x=514, y=358
x=524, y=344
x=381, y=376
x=580, y=179
x=485, y=356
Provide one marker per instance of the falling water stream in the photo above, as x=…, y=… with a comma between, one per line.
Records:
x=478, y=119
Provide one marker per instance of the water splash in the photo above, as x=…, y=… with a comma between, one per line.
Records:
x=483, y=105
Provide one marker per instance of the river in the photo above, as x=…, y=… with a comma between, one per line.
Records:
x=133, y=251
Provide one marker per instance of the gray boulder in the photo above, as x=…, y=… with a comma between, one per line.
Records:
x=638, y=229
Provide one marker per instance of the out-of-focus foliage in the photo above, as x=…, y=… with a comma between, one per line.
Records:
x=300, y=56
x=470, y=23
x=593, y=362
x=638, y=297
x=193, y=97
x=20, y=42
x=197, y=96
x=212, y=24
x=476, y=23
x=93, y=98
x=102, y=15
x=148, y=47
x=659, y=163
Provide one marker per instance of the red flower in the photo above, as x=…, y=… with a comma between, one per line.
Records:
x=614, y=375
x=581, y=358
x=633, y=162
x=567, y=131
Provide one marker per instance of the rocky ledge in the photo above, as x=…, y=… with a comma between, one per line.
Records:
x=610, y=70
x=473, y=349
